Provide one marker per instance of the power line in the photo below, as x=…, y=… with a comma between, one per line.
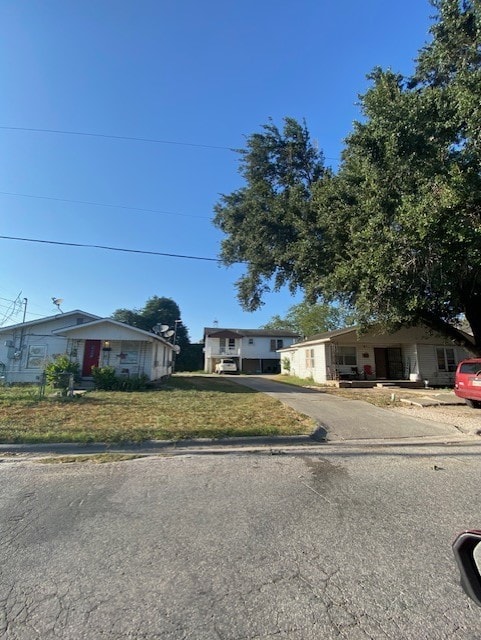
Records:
x=101, y=204
x=106, y=248
x=129, y=138
x=11, y=310
x=112, y=137
x=6, y=306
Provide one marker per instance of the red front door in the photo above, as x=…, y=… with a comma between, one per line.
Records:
x=91, y=356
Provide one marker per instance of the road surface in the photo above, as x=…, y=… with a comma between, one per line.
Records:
x=346, y=542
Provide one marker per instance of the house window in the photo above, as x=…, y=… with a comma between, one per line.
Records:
x=36, y=356
x=276, y=344
x=346, y=356
x=129, y=353
x=251, y=340
x=446, y=359
x=309, y=358
x=226, y=345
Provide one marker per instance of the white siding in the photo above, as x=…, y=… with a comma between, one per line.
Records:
x=299, y=366
x=18, y=363
x=410, y=360
x=428, y=364
x=261, y=347
x=16, y=358
x=246, y=348
x=146, y=362
x=418, y=351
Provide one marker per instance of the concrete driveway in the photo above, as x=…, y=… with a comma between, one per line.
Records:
x=345, y=419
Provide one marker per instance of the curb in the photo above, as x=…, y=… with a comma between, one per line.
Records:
x=272, y=446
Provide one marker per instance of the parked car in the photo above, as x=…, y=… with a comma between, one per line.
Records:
x=467, y=558
x=467, y=382
x=226, y=365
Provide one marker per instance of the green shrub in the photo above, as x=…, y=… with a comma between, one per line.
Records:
x=286, y=364
x=59, y=370
x=136, y=383
x=106, y=380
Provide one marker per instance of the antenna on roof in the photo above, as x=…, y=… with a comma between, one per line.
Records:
x=161, y=329
x=57, y=302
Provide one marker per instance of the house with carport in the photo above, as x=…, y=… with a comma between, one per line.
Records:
x=87, y=339
x=253, y=350
x=345, y=357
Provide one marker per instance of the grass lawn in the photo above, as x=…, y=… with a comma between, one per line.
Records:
x=185, y=407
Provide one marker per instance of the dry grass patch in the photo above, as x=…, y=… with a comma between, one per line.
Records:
x=378, y=396
x=185, y=407
x=96, y=458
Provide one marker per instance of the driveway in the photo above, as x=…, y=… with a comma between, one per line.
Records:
x=345, y=419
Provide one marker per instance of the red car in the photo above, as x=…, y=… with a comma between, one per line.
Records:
x=467, y=382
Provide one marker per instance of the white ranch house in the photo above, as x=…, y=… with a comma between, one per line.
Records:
x=254, y=350
x=411, y=355
x=26, y=348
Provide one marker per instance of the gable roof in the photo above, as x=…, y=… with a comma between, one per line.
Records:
x=123, y=325
x=30, y=323
x=322, y=337
x=218, y=332
x=327, y=335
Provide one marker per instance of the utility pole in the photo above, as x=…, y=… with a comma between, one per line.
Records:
x=176, y=322
x=22, y=333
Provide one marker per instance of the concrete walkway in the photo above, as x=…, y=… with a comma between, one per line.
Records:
x=344, y=419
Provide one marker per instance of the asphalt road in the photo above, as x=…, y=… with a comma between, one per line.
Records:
x=347, y=543
x=344, y=419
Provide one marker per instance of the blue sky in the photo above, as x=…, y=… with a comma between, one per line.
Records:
x=201, y=73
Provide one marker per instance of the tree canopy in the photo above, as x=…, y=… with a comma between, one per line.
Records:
x=307, y=319
x=155, y=311
x=395, y=233
x=160, y=310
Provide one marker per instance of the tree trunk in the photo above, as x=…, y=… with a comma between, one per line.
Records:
x=473, y=316
x=470, y=343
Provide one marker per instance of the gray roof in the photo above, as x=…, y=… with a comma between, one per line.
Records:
x=66, y=314
x=80, y=327
x=330, y=334
x=267, y=333
x=324, y=337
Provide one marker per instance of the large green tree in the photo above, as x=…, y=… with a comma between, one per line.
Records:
x=268, y=221
x=396, y=232
x=307, y=318
x=159, y=310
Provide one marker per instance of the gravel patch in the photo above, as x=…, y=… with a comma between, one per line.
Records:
x=462, y=417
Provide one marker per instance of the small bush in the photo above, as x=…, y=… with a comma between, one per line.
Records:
x=136, y=383
x=106, y=380
x=58, y=372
